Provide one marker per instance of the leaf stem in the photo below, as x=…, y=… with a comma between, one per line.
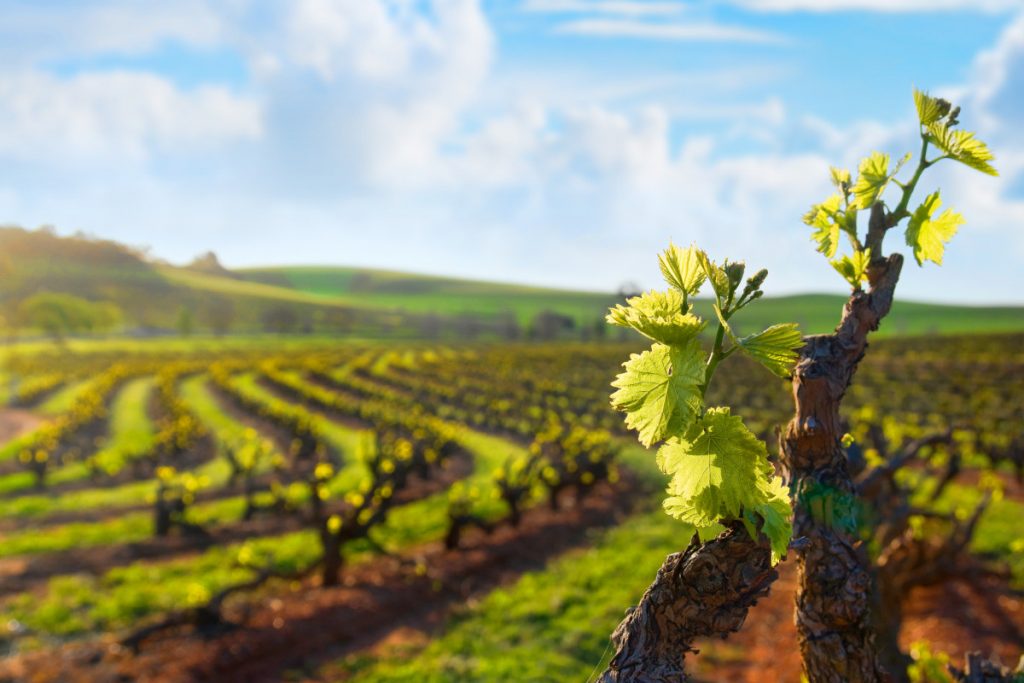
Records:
x=908, y=190
x=716, y=357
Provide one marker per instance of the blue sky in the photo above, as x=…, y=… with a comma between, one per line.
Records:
x=556, y=142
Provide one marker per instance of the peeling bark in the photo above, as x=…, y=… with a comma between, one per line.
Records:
x=703, y=592
x=833, y=614
x=981, y=670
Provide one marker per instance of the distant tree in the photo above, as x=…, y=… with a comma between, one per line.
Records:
x=507, y=326
x=629, y=289
x=468, y=326
x=280, y=320
x=186, y=321
x=339, y=320
x=429, y=326
x=548, y=325
x=218, y=314
x=59, y=315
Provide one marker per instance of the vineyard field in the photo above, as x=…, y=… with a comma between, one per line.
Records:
x=384, y=512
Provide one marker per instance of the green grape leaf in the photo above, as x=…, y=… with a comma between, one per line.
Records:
x=872, y=179
x=775, y=514
x=716, y=275
x=776, y=348
x=854, y=269
x=828, y=219
x=930, y=109
x=682, y=269
x=927, y=234
x=718, y=468
x=827, y=237
x=962, y=146
x=658, y=316
x=840, y=178
x=660, y=390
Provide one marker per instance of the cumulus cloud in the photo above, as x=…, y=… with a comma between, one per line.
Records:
x=383, y=127
x=888, y=6
x=114, y=116
x=362, y=94
x=622, y=7
x=674, y=31
x=31, y=30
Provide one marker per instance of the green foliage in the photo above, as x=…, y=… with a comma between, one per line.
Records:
x=854, y=268
x=926, y=233
x=660, y=390
x=930, y=109
x=682, y=269
x=963, y=147
x=872, y=179
x=60, y=314
x=718, y=469
x=775, y=348
x=660, y=316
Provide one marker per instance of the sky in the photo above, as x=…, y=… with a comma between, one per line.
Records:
x=549, y=142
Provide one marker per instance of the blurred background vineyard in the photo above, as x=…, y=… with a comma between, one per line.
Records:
x=360, y=475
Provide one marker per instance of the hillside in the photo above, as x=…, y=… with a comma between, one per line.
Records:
x=156, y=297
x=382, y=289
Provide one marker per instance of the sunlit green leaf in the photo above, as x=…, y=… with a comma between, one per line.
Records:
x=929, y=109
x=927, y=233
x=682, y=269
x=658, y=316
x=873, y=176
x=660, y=390
x=962, y=146
x=854, y=269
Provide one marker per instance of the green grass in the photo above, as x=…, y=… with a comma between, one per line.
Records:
x=550, y=625
x=553, y=625
x=76, y=604
x=819, y=313
x=342, y=439
x=132, y=432
x=380, y=289
x=131, y=437
x=62, y=399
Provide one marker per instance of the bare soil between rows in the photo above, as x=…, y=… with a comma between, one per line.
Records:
x=955, y=617
x=25, y=572
x=289, y=629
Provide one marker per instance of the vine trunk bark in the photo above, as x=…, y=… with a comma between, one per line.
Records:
x=833, y=604
x=705, y=591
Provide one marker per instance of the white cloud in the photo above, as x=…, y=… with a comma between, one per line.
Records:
x=633, y=8
x=376, y=133
x=366, y=94
x=114, y=116
x=676, y=31
x=889, y=6
x=32, y=30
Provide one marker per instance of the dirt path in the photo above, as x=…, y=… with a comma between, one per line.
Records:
x=14, y=422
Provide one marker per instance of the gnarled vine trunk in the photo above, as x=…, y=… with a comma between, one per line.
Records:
x=833, y=606
x=702, y=592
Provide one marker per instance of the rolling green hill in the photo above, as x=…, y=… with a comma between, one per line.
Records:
x=383, y=289
x=154, y=297
x=816, y=313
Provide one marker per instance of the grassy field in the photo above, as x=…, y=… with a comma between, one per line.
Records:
x=380, y=289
